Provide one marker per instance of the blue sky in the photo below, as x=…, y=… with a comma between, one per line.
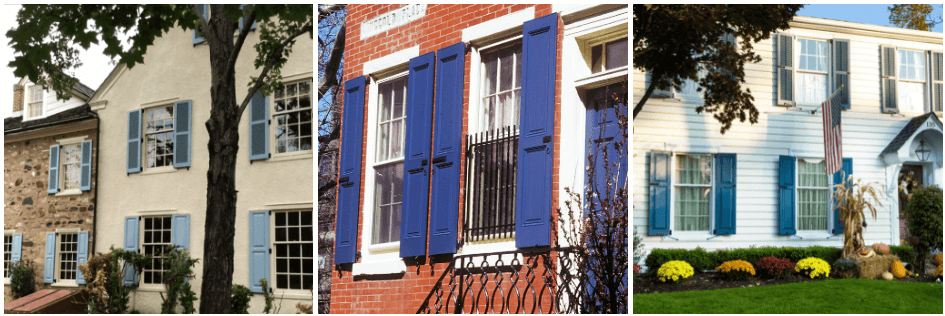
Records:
x=877, y=14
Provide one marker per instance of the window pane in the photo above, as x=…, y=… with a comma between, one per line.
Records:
x=596, y=58
x=296, y=282
x=384, y=228
x=617, y=53
x=280, y=218
x=281, y=250
x=295, y=250
x=295, y=265
x=280, y=234
x=518, y=66
x=397, y=183
x=489, y=79
x=395, y=222
x=382, y=142
x=307, y=251
x=488, y=113
x=293, y=233
x=306, y=218
x=399, y=88
x=505, y=70
x=282, y=281
x=911, y=96
x=385, y=101
x=397, y=139
x=307, y=265
x=307, y=283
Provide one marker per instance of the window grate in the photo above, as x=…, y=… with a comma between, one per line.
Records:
x=491, y=158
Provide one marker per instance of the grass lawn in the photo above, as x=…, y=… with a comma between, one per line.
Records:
x=820, y=297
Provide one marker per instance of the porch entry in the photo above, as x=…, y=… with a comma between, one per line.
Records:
x=916, y=172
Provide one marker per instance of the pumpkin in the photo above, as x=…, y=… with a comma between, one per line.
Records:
x=880, y=248
x=887, y=276
x=938, y=259
x=938, y=272
x=898, y=270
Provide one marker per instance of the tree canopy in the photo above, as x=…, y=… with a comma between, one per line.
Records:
x=674, y=41
x=913, y=16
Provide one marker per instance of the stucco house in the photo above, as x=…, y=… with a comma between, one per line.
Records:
x=462, y=126
x=154, y=183
x=50, y=187
x=765, y=184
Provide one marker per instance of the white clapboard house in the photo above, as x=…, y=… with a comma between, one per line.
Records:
x=765, y=184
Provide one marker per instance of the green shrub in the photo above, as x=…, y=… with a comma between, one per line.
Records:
x=904, y=252
x=924, y=218
x=702, y=260
x=22, y=282
x=187, y=299
x=239, y=301
x=268, y=296
x=104, y=274
x=179, y=267
x=697, y=258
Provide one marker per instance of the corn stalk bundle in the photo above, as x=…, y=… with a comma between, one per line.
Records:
x=852, y=202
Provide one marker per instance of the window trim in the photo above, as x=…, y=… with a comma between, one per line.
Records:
x=272, y=259
x=602, y=42
x=62, y=174
x=58, y=262
x=152, y=286
x=144, y=136
x=672, y=196
x=272, y=127
x=368, y=224
x=797, y=199
x=29, y=95
x=798, y=71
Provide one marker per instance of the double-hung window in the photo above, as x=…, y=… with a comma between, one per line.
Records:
x=812, y=70
x=501, y=87
x=292, y=115
x=156, y=235
x=159, y=134
x=294, y=258
x=693, y=192
x=36, y=102
x=912, y=84
x=7, y=254
x=813, y=194
x=67, y=258
x=389, y=160
x=71, y=171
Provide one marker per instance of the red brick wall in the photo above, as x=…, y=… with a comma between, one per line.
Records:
x=440, y=27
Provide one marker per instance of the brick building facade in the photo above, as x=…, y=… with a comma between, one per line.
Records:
x=419, y=125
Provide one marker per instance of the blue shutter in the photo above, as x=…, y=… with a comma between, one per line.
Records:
x=349, y=177
x=49, y=266
x=131, y=244
x=244, y=18
x=17, y=252
x=533, y=187
x=134, y=141
x=181, y=230
x=847, y=169
x=603, y=131
x=203, y=10
x=413, y=223
x=725, y=201
x=182, y=113
x=659, y=193
x=85, y=180
x=53, y=185
x=82, y=257
x=258, y=127
x=447, y=144
x=258, y=250
x=786, y=166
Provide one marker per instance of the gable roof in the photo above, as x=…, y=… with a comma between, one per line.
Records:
x=79, y=88
x=16, y=124
x=907, y=132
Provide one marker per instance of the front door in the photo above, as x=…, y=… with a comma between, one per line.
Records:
x=913, y=172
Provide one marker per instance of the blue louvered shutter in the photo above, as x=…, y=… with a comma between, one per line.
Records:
x=53, y=184
x=85, y=178
x=258, y=127
x=82, y=256
x=17, y=251
x=349, y=177
x=847, y=169
x=888, y=72
x=659, y=194
x=134, y=141
x=447, y=144
x=203, y=10
x=131, y=244
x=841, y=70
x=258, y=250
x=49, y=266
x=785, y=75
x=533, y=187
x=725, y=201
x=413, y=223
x=786, y=173
x=182, y=113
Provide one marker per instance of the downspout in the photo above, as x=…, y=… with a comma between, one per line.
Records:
x=98, y=140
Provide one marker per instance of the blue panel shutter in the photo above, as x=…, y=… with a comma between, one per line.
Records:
x=447, y=144
x=413, y=223
x=349, y=177
x=533, y=187
x=258, y=127
x=203, y=10
x=53, y=185
x=659, y=194
x=82, y=256
x=17, y=251
x=847, y=169
x=85, y=179
x=785, y=55
x=181, y=230
x=258, y=250
x=134, y=141
x=603, y=131
x=182, y=113
x=725, y=201
x=786, y=166
x=49, y=267
x=131, y=244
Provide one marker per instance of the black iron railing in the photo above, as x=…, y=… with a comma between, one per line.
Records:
x=491, y=158
x=537, y=281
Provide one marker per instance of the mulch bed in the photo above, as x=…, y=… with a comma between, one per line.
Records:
x=712, y=281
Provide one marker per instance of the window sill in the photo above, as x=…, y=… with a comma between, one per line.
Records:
x=379, y=267
x=299, y=155
x=6, y=281
x=292, y=294
x=686, y=237
x=70, y=192
x=386, y=247
x=817, y=236
x=150, y=287
x=603, y=78
x=167, y=169
x=64, y=284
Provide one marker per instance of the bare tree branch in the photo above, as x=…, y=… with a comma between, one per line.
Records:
x=329, y=80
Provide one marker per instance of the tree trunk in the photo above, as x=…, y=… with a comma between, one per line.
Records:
x=221, y=178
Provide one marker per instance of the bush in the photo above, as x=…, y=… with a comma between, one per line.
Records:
x=104, y=273
x=179, y=267
x=268, y=297
x=702, y=260
x=22, y=282
x=674, y=271
x=813, y=267
x=636, y=269
x=844, y=268
x=771, y=267
x=905, y=253
x=697, y=258
x=239, y=302
x=736, y=270
x=924, y=218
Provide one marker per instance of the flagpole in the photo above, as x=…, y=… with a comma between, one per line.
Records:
x=828, y=98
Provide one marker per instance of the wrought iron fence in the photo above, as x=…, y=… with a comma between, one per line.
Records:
x=491, y=158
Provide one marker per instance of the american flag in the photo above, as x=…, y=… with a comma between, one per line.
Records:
x=832, y=135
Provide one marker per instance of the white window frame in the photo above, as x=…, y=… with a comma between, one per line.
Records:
x=797, y=199
x=27, y=113
x=798, y=71
x=58, y=270
x=369, y=209
x=144, y=136
x=62, y=143
x=924, y=56
x=272, y=259
x=603, y=41
x=9, y=232
x=480, y=80
x=273, y=141
x=141, y=232
x=672, y=197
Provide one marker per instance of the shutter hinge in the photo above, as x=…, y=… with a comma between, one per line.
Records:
x=270, y=213
x=270, y=290
x=270, y=251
